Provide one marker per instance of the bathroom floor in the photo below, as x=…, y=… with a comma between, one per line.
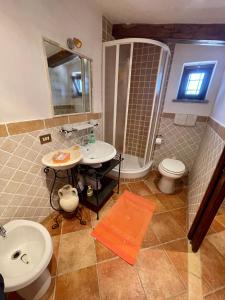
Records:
x=82, y=268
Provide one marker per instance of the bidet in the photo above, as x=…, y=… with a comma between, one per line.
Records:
x=25, y=253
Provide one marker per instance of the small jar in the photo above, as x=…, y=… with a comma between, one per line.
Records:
x=90, y=191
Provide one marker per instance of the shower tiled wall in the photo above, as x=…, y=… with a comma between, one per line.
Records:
x=106, y=30
x=204, y=165
x=143, y=79
x=180, y=142
x=24, y=187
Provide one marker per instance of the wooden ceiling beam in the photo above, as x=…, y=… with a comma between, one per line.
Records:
x=171, y=32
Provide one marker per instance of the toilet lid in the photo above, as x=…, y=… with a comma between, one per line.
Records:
x=173, y=165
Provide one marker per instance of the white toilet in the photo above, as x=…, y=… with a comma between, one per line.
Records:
x=170, y=169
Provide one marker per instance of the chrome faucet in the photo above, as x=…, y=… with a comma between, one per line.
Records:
x=83, y=140
x=2, y=231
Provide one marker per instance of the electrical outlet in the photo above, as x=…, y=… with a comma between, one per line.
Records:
x=44, y=139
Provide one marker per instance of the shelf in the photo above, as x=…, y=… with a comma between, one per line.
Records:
x=80, y=127
x=103, y=170
x=104, y=193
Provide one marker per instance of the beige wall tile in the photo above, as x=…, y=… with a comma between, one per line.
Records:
x=6, y=173
x=26, y=126
x=204, y=165
x=94, y=116
x=56, y=121
x=19, y=176
x=9, y=146
x=12, y=187
x=77, y=118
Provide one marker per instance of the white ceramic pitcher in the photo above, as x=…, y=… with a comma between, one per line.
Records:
x=68, y=198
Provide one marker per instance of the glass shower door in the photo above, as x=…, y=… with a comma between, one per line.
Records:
x=122, y=96
x=110, y=76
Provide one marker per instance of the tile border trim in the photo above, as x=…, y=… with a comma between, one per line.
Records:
x=15, y=128
x=172, y=115
x=218, y=128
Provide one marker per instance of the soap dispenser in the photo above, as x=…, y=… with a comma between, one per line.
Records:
x=92, y=138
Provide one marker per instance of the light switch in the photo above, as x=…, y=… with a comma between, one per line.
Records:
x=44, y=139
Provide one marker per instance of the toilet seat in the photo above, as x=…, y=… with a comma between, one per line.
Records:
x=173, y=166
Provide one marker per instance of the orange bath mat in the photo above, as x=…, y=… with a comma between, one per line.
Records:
x=123, y=228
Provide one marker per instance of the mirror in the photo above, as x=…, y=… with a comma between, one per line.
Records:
x=70, y=79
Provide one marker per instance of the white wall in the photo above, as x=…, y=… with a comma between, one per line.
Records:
x=24, y=89
x=218, y=113
x=185, y=53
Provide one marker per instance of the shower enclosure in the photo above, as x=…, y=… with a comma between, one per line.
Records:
x=134, y=76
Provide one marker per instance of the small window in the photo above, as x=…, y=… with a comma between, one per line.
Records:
x=195, y=82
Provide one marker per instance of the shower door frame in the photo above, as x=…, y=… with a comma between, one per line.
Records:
x=131, y=41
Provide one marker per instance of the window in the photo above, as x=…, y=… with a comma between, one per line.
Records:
x=195, y=82
x=77, y=84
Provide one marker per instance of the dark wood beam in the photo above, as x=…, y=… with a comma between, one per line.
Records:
x=171, y=32
x=60, y=58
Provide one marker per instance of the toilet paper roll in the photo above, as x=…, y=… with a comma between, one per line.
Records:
x=158, y=141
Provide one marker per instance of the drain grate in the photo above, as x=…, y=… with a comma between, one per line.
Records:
x=16, y=254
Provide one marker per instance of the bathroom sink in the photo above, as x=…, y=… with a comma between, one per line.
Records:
x=25, y=253
x=97, y=153
x=75, y=157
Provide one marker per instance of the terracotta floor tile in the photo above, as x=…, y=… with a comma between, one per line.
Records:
x=76, y=251
x=73, y=224
x=158, y=275
x=49, y=221
x=150, y=238
x=166, y=228
x=221, y=211
x=159, y=207
x=78, y=285
x=219, y=295
x=183, y=296
x=123, y=187
x=217, y=226
x=218, y=241
x=213, y=265
x=178, y=253
x=183, y=195
x=104, y=210
x=118, y=280
x=220, y=219
x=139, y=188
x=152, y=185
x=171, y=201
x=180, y=216
x=53, y=263
x=103, y=253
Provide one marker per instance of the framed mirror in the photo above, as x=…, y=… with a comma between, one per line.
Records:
x=70, y=79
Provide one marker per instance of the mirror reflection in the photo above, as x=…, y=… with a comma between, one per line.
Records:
x=70, y=79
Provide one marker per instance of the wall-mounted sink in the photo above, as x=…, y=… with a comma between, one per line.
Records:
x=75, y=157
x=97, y=153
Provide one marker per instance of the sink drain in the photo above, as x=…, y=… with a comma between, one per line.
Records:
x=16, y=254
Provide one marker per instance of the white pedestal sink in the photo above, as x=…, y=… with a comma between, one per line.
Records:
x=25, y=253
x=97, y=153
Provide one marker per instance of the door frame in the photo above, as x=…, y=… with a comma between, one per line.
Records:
x=209, y=206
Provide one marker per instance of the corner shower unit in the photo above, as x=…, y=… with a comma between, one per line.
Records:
x=134, y=76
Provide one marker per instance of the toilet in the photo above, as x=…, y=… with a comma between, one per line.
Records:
x=170, y=169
